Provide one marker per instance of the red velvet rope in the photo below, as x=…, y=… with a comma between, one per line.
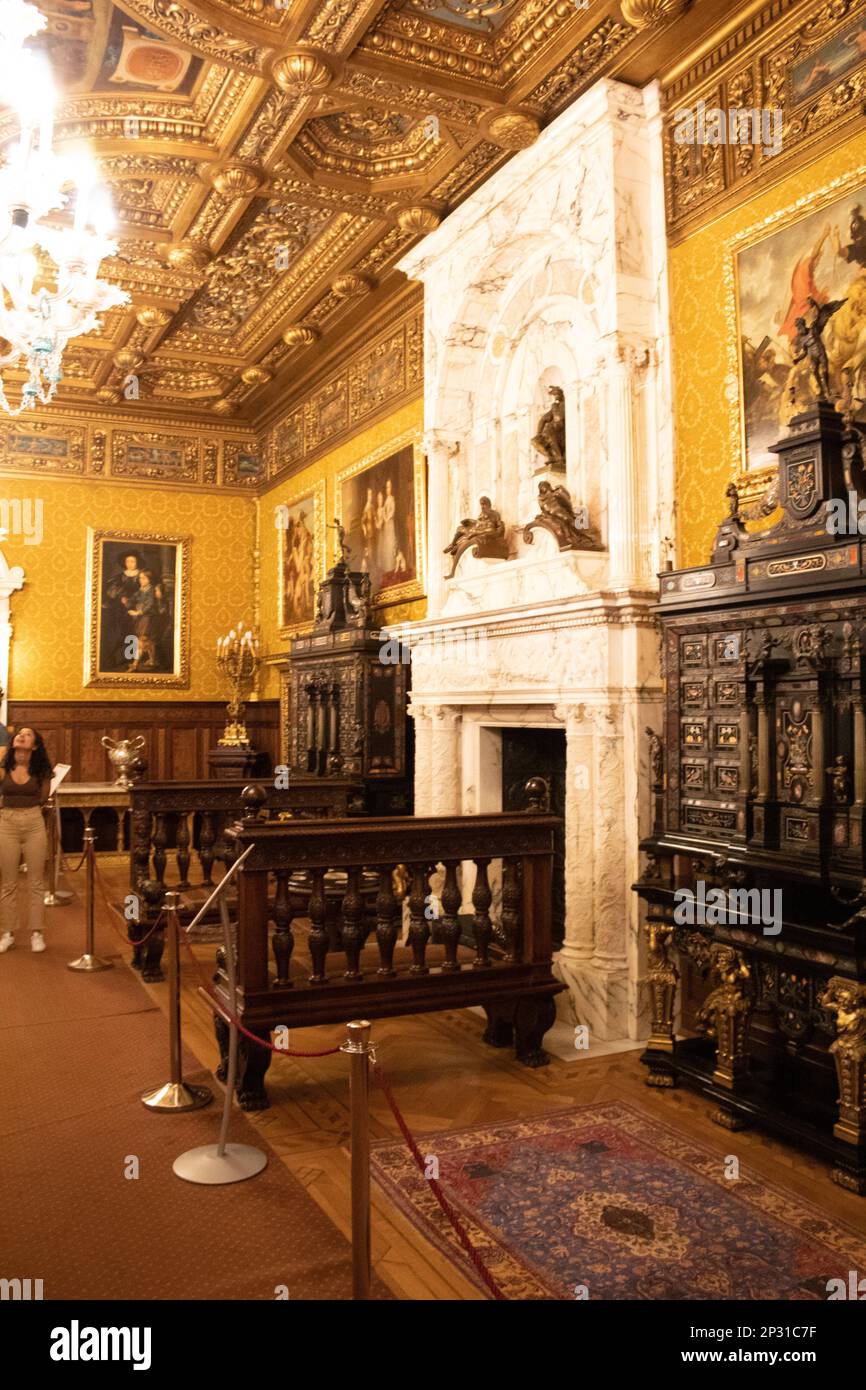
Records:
x=112, y=909
x=481, y=1267
x=378, y=1076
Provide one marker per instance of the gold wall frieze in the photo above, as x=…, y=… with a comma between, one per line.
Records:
x=378, y=377
x=234, y=451
x=762, y=66
x=40, y=446
x=149, y=454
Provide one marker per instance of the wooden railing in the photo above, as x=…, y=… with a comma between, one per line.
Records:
x=189, y=818
x=297, y=978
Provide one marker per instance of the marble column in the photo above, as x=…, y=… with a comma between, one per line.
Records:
x=626, y=503
x=592, y=961
x=443, y=456
x=577, y=946
x=445, y=777
x=423, y=758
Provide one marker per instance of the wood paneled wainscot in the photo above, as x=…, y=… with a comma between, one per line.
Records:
x=177, y=734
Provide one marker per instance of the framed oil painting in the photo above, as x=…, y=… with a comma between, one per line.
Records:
x=300, y=558
x=381, y=503
x=807, y=256
x=138, y=609
x=827, y=62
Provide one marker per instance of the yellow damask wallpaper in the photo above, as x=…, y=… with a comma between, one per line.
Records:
x=325, y=469
x=704, y=391
x=48, y=614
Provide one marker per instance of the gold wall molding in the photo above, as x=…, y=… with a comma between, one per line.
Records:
x=179, y=456
x=374, y=379
x=750, y=66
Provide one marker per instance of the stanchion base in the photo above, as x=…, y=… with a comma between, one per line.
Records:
x=177, y=1095
x=86, y=962
x=59, y=898
x=204, y=1164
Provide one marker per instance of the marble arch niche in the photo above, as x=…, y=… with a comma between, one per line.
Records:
x=553, y=272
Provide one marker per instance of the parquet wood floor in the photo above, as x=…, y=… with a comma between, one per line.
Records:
x=445, y=1077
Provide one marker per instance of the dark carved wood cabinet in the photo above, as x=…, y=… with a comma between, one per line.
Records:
x=755, y=869
x=342, y=706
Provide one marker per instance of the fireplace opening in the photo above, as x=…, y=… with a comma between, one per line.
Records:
x=539, y=752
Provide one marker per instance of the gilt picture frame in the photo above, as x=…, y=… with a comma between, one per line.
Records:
x=770, y=267
x=137, y=610
x=381, y=502
x=300, y=522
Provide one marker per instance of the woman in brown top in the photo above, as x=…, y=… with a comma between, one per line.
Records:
x=25, y=779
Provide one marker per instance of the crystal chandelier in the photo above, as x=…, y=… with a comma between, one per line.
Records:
x=49, y=290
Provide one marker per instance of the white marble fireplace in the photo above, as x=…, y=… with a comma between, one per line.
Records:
x=553, y=273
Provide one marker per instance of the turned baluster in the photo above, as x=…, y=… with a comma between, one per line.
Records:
x=419, y=927
x=182, y=842
x=386, y=922
x=511, y=923
x=319, y=933
x=352, y=912
x=481, y=923
x=450, y=928
x=283, y=940
x=160, y=840
x=206, y=842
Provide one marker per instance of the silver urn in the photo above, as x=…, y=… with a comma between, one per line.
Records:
x=122, y=755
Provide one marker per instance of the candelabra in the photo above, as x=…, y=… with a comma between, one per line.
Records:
x=238, y=658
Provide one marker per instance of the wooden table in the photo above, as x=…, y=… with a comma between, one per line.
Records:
x=88, y=797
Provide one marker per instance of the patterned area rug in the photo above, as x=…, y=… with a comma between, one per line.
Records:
x=604, y=1197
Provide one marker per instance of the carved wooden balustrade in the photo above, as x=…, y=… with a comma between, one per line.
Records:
x=296, y=978
x=190, y=818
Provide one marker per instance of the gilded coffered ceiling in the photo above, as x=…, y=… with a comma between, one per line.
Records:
x=271, y=160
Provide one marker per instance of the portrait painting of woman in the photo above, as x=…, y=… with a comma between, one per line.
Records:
x=137, y=603
x=380, y=503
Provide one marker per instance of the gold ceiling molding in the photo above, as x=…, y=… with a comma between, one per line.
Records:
x=345, y=286
x=643, y=14
x=300, y=335
x=183, y=25
x=418, y=221
x=513, y=130
x=151, y=316
x=186, y=255
x=234, y=178
x=308, y=144
x=753, y=68
x=302, y=71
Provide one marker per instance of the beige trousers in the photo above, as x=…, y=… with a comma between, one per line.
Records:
x=22, y=830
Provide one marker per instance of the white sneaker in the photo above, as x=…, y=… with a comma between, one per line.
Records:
x=37, y=941
x=7, y=941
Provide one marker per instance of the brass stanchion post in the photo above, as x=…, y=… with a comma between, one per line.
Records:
x=176, y=1094
x=89, y=961
x=357, y=1045
x=55, y=897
